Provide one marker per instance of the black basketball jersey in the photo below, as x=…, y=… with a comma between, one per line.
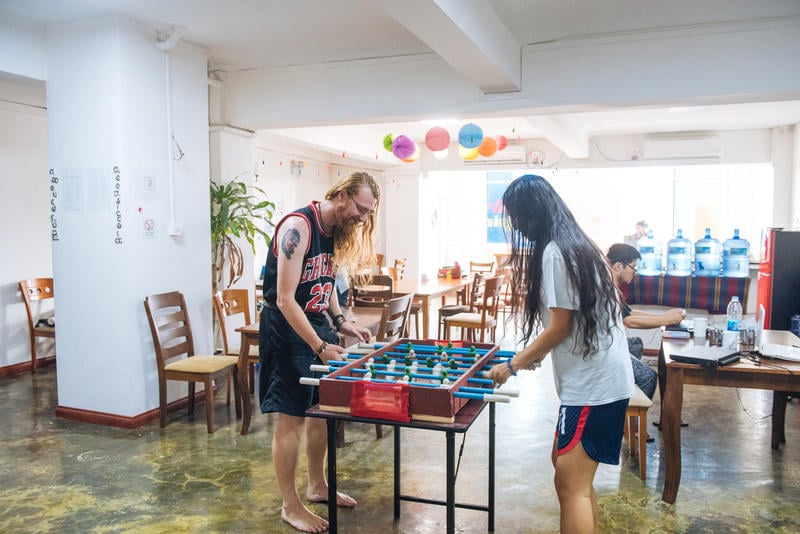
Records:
x=318, y=277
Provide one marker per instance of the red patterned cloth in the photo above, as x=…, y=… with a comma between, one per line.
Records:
x=702, y=292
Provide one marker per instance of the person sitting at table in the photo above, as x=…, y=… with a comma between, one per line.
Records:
x=624, y=260
x=295, y=331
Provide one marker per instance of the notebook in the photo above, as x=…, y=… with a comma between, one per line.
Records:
x=782, y=352
x=705, y=356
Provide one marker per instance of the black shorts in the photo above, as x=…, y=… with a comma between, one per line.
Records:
x=598, y=428
x=285, y=357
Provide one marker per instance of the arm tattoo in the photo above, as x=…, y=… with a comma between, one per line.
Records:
x=290, y=241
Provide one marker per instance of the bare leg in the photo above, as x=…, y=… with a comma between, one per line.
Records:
x=316, y=449
x=574, y=477
x=285, y=448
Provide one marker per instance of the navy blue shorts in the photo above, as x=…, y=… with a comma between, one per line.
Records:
x=285, y=357
x=598, y=428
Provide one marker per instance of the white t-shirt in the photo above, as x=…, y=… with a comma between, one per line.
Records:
x=600, y=378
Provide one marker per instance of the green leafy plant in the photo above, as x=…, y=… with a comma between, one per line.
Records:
x=235, y=212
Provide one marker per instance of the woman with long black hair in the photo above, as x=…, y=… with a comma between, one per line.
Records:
x=564, y=293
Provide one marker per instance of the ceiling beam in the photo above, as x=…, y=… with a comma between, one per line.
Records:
x=468, y=35
x=565, y=134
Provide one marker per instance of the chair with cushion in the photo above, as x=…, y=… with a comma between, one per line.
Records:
x=37, y=290
x=486, y=316
x=637, y=409
x=172, y=339
x=475, y=295
x=232, y=307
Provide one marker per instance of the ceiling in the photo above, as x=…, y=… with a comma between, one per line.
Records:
x=250, y=35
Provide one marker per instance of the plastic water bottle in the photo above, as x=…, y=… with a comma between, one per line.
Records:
x=734, y=314
x=651, y=250
x=736, y=256
x=707, y=255
x=679, y=255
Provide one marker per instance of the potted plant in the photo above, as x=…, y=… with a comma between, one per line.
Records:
x=235, y=212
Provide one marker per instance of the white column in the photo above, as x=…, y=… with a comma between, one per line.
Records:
x=112, y=243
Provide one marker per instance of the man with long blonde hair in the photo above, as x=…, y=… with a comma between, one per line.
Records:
x=297, y=328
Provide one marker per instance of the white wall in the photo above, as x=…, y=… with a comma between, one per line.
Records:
x=24, y=218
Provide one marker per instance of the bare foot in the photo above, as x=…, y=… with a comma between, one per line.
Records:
x=304, y=520
x=342, y=500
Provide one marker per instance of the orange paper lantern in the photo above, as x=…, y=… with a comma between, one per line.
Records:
x=488, y=147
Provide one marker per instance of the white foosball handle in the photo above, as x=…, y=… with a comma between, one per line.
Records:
x=507, y=392
x=320, y=368
x=307, y=381
x=496, y=398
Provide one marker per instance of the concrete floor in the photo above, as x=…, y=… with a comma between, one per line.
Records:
x=63, y=476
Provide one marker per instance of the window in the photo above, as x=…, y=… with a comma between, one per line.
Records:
x=607, y=203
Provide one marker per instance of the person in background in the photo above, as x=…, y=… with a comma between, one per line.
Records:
x=641, y=231
x=623, y=260
x=300, y=304
x=569, y=306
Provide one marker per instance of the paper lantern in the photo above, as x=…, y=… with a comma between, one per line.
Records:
x=441, y=154
x=387, y=142
x=502, y=142
x=467, y=153
x=470, y=136
x=488, y=147
x=437, y=138
x=403, y=146
x=413, y=157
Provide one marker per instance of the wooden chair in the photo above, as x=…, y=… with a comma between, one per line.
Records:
x=637, y=409
x=172, y=337
x=378, y=289
x=378, y=263
x=234, y=304
x=398, y=272
x=394, y=319
x=483, y=320
x=37, y=290
x=475, y=295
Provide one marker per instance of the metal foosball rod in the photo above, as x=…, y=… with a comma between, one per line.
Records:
x=434, y=348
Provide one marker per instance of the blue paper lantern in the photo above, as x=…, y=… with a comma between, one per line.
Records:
x=470, y=136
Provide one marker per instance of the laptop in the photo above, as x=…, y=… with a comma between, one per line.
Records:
x=705, y=356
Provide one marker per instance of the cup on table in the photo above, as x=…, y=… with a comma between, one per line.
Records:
x=700, y=327
x=730, y=339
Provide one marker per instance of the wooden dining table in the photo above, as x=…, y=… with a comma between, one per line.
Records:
x=780, y=376
x=426, y=289
x=369, y=318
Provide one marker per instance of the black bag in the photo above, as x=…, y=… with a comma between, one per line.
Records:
x=635, y=347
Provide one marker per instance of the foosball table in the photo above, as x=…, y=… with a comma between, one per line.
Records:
x=420, y=384
x=410, y=380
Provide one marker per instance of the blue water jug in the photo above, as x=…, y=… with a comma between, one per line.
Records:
x=679, y=255
x=707, y=255
x=736, y=257
x=652, y=253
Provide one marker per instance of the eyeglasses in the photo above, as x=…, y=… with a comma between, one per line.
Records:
x=361, y=209
x=635, y=270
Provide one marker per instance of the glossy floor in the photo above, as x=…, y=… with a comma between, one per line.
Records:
x=63, y=476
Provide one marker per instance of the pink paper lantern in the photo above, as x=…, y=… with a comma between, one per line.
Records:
x=403, y=146
x=502, y=142
x=437, y=139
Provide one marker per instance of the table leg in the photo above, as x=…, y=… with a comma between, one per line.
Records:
x=244, y=387
x=779, y=401
x=451, y=482
x=397, y=472
x=671, y=407
x=426, y=316
x=332, y=476
x=490, y=504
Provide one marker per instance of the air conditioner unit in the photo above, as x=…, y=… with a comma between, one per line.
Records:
x=682, y=147
x=510, y=155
